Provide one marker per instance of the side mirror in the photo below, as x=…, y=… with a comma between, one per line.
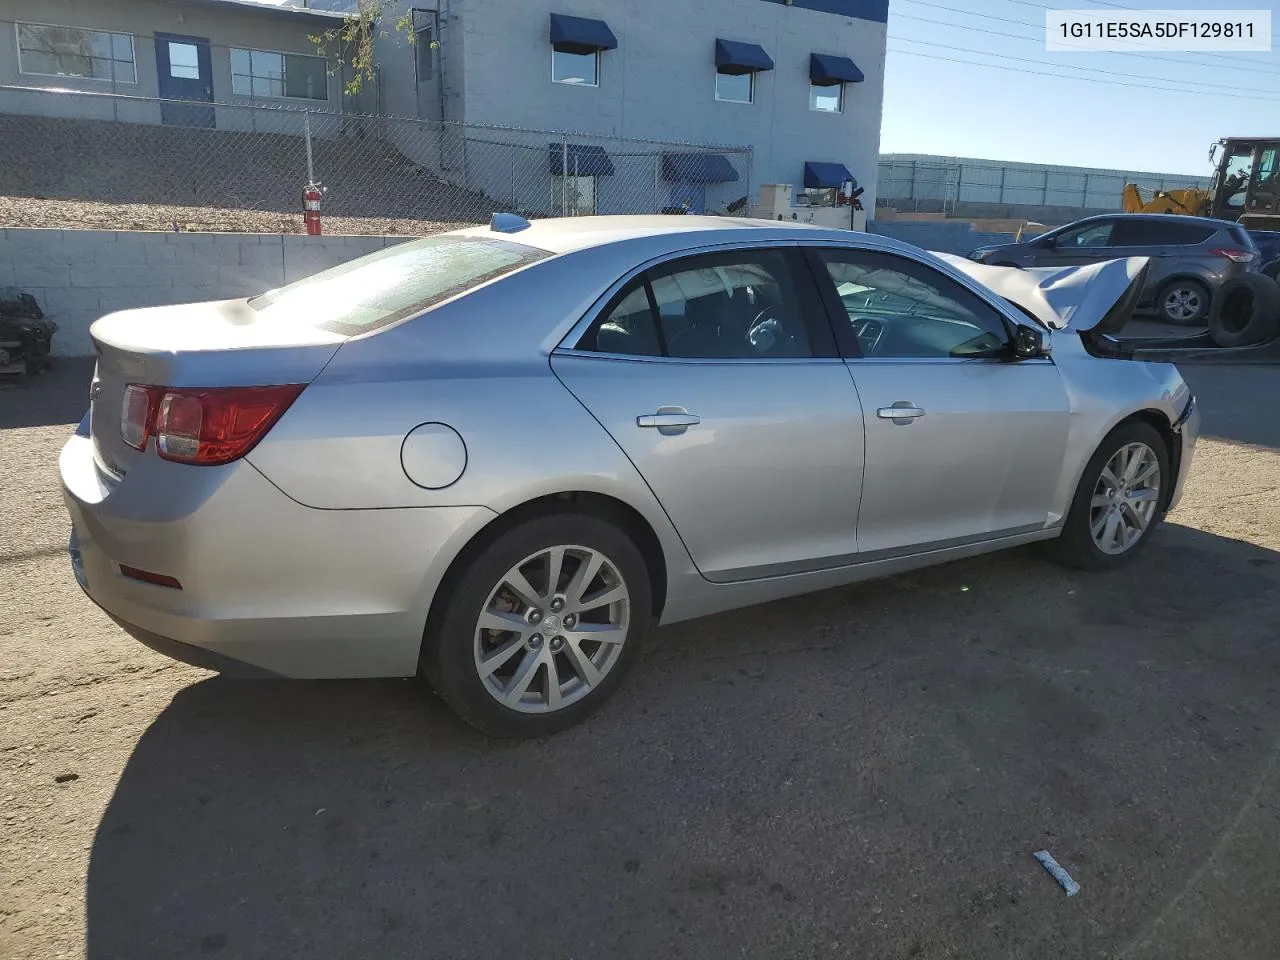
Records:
x=1048, y=242
x=1029, y=343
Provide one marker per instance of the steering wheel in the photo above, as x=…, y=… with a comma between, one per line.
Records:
x=869, y=333
x=766, y=333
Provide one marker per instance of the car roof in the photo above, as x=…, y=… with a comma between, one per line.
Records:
x=566, y=234
x=1161, y=217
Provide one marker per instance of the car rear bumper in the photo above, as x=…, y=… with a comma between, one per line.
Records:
x=267, y=585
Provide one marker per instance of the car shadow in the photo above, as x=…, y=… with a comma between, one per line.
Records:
x=864, y=771
x=59, y=395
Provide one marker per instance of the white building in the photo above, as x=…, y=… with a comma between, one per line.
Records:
x=800, y=82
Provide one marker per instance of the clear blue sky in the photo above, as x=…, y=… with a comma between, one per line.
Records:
x=989, y=108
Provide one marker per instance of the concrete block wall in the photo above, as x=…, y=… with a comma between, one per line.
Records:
x=79, y=275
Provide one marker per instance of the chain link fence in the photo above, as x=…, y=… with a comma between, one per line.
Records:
x=990, y=188
x=70, y=159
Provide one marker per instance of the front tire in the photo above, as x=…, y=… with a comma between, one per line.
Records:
x=1120, y=500
x=541, y=626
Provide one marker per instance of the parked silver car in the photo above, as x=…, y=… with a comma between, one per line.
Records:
x=500, y=456
x=1191, y=257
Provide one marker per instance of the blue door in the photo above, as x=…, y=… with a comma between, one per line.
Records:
x=185, y=71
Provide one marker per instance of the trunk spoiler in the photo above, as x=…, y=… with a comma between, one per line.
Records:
x=1097, y=297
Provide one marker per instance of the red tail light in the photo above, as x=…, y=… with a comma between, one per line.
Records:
x=1235, y=254
x=202, y=425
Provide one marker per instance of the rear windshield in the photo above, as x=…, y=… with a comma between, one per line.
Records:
x=394, y=283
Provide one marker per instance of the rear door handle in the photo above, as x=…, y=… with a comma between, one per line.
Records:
x=669, y=420
x=901, y=413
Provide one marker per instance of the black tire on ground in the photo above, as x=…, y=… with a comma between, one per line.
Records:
x=1075, y=547
x=1245, y=311
x=447, y=658
x=1192, y=292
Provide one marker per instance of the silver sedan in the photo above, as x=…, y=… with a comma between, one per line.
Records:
x=499, y=457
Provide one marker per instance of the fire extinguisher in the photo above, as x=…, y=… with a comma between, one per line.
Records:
x=312, y=194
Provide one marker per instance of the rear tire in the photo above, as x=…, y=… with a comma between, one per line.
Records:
x=547, y=641
x=1184, y=302
x=1101, y=530
x=1246, y=311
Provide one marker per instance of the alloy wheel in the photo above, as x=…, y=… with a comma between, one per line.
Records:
x=1182, y=304
x=552, y=629
x=1125, y=498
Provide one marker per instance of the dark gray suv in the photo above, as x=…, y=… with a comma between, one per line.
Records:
x=1191, y=257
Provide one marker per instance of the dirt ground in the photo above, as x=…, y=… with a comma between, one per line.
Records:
x=861, y=773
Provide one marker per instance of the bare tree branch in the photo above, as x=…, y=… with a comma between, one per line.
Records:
x=352, y=43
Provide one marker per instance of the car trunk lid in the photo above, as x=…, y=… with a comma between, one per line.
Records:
x=219, y=344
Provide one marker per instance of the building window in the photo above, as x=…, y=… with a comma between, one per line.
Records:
x=184, y=60
x=826, y=97
x=735, y=87
x=264, y=73
x=47, y=50
x=425, y=50
x=573, y=196
x=581, y=69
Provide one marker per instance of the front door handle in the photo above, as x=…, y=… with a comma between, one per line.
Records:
x=901, y=413
x=669, y=420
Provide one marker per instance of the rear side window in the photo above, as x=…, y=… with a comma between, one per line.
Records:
x=1159, y=233
x=1189, y=234
x=373, y=291
x=1241, y=236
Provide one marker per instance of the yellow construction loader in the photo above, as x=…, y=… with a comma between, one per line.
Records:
x=1246, y=187
x=1189, y=201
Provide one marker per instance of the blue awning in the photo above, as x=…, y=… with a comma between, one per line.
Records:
x=828, y=69
x=734, y=57
x=698, y=168
x=820, y=175
x=580, y=35
x=585, y=160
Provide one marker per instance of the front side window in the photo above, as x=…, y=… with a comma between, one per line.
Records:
x=826, y=97
x=47, y=50
x=573, y=196
x=735, y=87
x=1092, y=235
x=581, y=69
x=899, y=309
x=265, y=73
x=373, y=291
x=727, y=306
